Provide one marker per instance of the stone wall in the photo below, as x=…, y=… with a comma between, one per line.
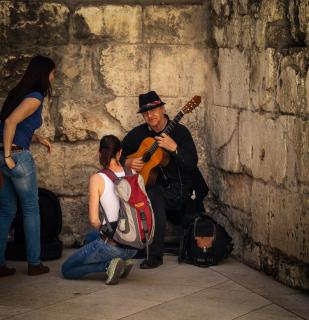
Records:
x=106, y=55
x=256, y=132
x=247, y=59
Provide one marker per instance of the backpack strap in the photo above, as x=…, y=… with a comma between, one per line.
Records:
x=128, y=171
x=107, y=226
x=111, y=174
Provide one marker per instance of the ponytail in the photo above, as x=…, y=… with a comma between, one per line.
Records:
x=110, y=145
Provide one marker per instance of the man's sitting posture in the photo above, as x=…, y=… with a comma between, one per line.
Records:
x=173, y=184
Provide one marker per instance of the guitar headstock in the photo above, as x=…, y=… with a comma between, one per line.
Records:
x=192, y=104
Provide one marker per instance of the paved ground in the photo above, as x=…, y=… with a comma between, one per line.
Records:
x=228, y=291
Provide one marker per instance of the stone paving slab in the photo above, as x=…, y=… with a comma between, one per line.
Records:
x=225, y=292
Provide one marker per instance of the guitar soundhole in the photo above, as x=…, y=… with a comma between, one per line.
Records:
x=146, y=157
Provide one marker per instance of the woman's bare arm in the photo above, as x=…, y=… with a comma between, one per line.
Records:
x=96, y=189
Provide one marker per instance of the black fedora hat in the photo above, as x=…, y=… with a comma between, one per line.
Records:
x=148, y=101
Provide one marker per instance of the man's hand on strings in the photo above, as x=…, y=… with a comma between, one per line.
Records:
x=166, y=142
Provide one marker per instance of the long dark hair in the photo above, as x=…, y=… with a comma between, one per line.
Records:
x=109, y=146
x=35, y=78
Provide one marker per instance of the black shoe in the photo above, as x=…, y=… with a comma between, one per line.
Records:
x=151, y=263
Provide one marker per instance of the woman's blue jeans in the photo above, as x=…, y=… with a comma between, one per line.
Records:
x=93, y=257
x=20, y=184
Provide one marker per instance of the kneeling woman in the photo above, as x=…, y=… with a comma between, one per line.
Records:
x=102, y=254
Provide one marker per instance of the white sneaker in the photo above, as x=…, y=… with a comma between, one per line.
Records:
x=128, y=265
x=114, y=270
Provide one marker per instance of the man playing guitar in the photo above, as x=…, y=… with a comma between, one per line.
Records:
x=173, y=184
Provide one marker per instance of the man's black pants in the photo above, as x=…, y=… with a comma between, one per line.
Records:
x=160, y=207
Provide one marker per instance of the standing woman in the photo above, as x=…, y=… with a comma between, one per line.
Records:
x=20, y=116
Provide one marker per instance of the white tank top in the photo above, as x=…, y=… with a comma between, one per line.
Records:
x=109, y=200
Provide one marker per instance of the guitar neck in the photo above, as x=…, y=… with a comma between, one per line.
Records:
x=168, y=129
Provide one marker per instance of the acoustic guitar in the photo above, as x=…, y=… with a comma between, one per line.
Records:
x=149, y=150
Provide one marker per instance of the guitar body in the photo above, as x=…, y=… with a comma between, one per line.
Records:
x=157, y=158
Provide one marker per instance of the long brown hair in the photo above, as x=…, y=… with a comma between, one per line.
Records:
x=35, y=78
x=109, y=146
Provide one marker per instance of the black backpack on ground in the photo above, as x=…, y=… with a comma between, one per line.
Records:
x=212, y=246
x=51, y=224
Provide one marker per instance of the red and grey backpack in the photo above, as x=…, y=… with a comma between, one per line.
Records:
x=136, y=224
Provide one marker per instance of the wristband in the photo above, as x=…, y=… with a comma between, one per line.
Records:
x=7, y=157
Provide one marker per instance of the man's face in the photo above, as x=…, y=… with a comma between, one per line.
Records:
x=154, y=117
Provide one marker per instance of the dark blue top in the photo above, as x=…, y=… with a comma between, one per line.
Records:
x=26, y=128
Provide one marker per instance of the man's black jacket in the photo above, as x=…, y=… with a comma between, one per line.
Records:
x=183, y=163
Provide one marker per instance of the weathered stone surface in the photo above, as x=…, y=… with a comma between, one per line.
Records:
x=222, y=137
x=67, y=169
x=260, y=212
x=174, y=25
x=222, y=7
x=48, y=128
x=233, y=190
x=258, y=154
x=231, y=79
x=278, y=220
x=273, y=28
x=303, y=15
x=124, y=110
x=236, y=33
x=307, y=92
x=293, y=136
x=263, y=80
x=304, y=172
x=74, y=220
x=285, y=214
x=86, y=119
x=121, y=23
x=288, y=96
x=188, y=64
x=33, y=23
x=125, y=69
x=11, y=70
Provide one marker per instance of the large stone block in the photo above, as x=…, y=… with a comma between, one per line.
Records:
x=304, y=171
x=289, y=225
x=30, y=23
x=125, y=69
x=75, y=222
x=121, y=23
x=233, y=190
x=303, y=15
x=221, y=128
x=307, y=93
x=124, y=110
x=293, y=136
x=67, y=168
x=48, y=129
x=86, y=119
x=174, y=25
x=263, y=79
x=12, y=68
x=260, y=212
x=231, y=79
x=238, y=32
x=273, y=27
x=258, y=153
x=288, y=92
x=186, y=64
